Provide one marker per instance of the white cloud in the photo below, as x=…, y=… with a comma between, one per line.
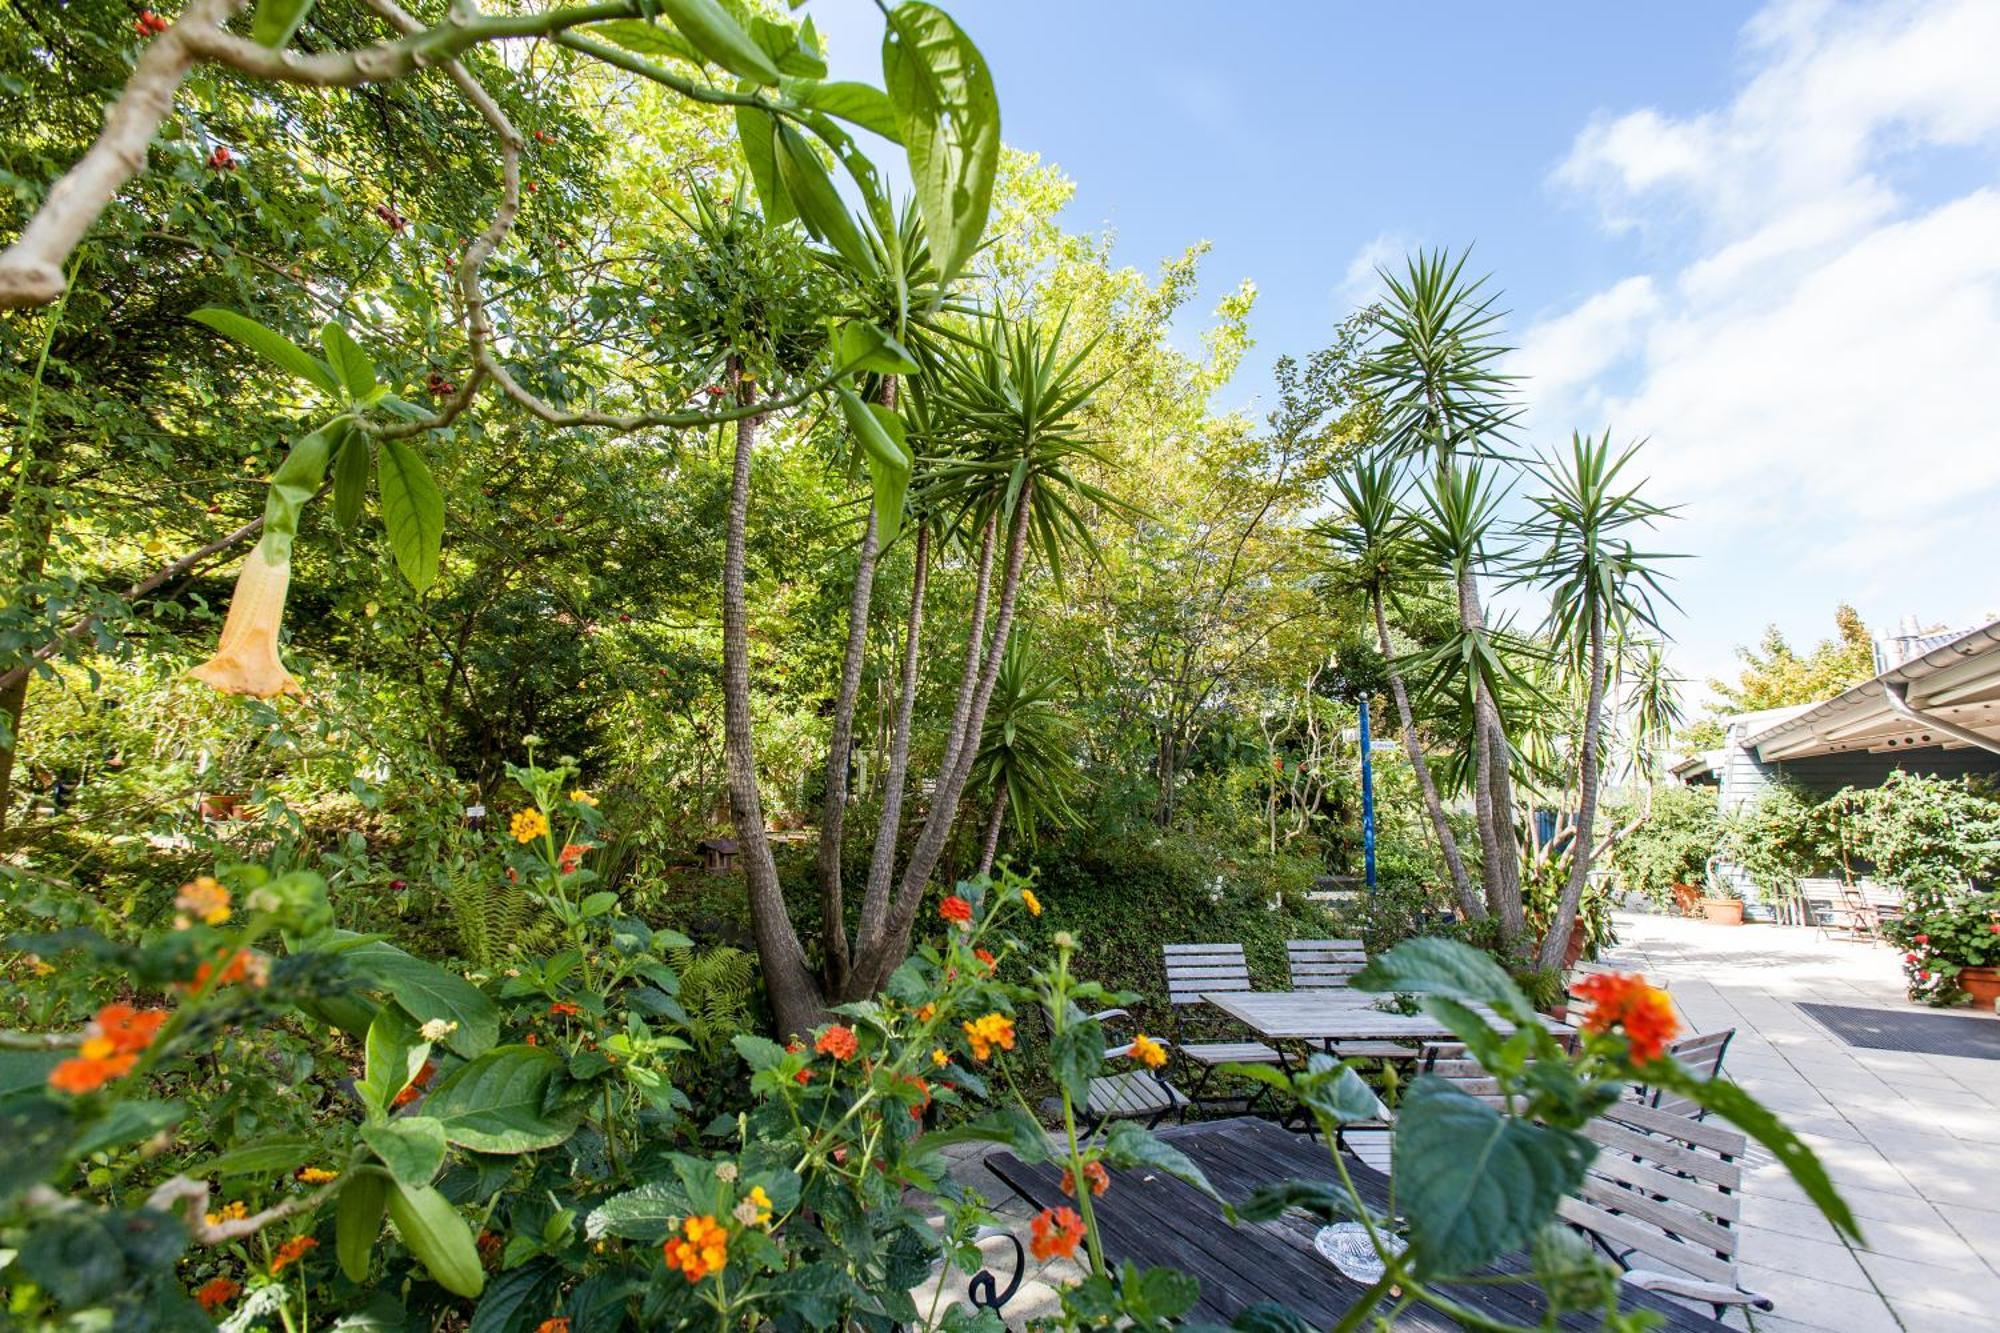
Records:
x=1362, y=283
x=1816, y=369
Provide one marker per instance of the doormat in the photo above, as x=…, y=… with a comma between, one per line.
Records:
x=1970, y=1036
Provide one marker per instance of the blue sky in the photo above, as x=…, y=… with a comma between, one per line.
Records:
x=1765, y=238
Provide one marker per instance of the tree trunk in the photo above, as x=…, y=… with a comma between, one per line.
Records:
x=991, y=843
x=839, y=752
x=1461, y=881
x=1581, y=850
x=875, y=906
x=892, y=946
x=1500, y=856
x=882, y=867
x=35, y=521
x=795, y=995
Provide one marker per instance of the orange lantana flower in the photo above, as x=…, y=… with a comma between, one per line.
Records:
x=242, y=966
x=956, y=910
x=701, y=1248
x=201, y=899
x=1147, y=1051
x=110, y=1048
x=291, y=1252
x=986, y=1033
x=1624, y=1000
x=217, y=1292
x=572, y=857
x=1055, y=1232
x=415, y=1087
x=560, y=1324
x=838, y=1042
x=1093, y=1172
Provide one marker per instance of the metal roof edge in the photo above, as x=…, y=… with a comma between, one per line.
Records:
x=1973, y=643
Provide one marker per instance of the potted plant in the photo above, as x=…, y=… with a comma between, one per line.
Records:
x=1722, y=905
x=1950, y=937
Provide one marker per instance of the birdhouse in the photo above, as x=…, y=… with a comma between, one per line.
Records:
x=718, y=855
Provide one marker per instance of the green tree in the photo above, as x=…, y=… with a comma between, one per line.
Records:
x=1776, y=675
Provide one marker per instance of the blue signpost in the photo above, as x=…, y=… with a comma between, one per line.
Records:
x=1367, y=800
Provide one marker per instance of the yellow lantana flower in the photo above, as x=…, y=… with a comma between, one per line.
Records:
x=1031, y=902
x=528, y=825
x=582, y=797
x=1148, y=1052
x=204, y=899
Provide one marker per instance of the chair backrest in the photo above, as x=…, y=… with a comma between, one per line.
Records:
x=1701, y=1053
x=1663, y=1187
x=1324, y=964
x=1450, y=1061
x=1194, y=970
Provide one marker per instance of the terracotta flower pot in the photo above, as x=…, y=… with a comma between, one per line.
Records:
x=1982, y=984
x=1723, y=911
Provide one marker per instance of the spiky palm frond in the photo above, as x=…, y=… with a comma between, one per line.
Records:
x=1434, y=370
x=1027, y=747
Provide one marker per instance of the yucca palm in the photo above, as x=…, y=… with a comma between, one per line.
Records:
x=1599, y=584
x=1377, y=557
x=1025, y=767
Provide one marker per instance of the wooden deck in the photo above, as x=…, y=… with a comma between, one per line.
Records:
x=1153, y=1219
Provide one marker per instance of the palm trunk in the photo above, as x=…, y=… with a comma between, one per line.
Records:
x=1461, y=881
x=795, y=996
x=882, y=868
x=839, y=753
x=876, y=904
x=1581, y=850
x=1500, y=855
x=990, y=845
x=893, y=945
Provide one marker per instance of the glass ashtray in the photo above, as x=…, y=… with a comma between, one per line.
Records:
x=1346, y=1246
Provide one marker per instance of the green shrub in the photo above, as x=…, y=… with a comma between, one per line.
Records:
x=1671, y=845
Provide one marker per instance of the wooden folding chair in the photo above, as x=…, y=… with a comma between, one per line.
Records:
x=1331, y=965
x=1662, y=1200
x=1195, y=970
x=1131, y=1094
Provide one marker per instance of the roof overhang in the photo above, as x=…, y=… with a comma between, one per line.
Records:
x=1958, y=683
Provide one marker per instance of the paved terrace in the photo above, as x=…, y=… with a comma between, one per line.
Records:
x=1913, y=1141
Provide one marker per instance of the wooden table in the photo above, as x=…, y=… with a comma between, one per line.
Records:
x=1154, y=1220
x=1341, y=1016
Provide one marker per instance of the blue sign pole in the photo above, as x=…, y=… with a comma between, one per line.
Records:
x=1367, y=800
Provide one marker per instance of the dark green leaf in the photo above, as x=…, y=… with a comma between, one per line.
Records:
x=1076, y=1056
x=1337, y=1092
x=860, y=345
x=519, y=1299
x=439, y=1238
x=427, y=991
x=755, y=135
x=760, y=1053
x=1128, y=1144
x=352, y=467
x=643, y=1214
x=496, y=1103
x=1473, y=1182
x=820, y=206
x=128, y=1122
x=393, y=1055
x=1323, y=1199
x=412, y=511
x=357, y=1222
x=879, y=434
x=1007, y=1124
x=256, y=1159
x=1270, y=1317
x=350, y=363
x=74, y=1258
x=1431, y=966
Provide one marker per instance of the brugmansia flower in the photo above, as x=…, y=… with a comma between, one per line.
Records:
x=246, y=659
x=1055, y=1232
x=987, y=1032
x=202, y=900
x=701, y=1248
x=110, y=1048
x=291, y=1252
x=217, y=1292
x=1624, y=1000
x=1148, y=1052
x=528, y=825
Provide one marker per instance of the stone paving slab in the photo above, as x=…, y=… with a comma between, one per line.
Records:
x=1913, y=1141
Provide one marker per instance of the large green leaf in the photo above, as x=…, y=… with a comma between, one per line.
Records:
x=1473, y=1182
x=880, y=434
x=427, y=991
x=277, y=20
x=715, y=33
x=950, y=121
x=352, y=467
x=357, y=1222
x=270, y=344
x=497, y=1103
x=356, y=370
x=820, y=206
x=857, y=103
x=412, y=511
x=297, y=480
x=1431, y=966
x=1127, y=1144
x=860, y=345
x=394, y=1054
x=411, y=1146
x=1076, y=1056
x=755, y=131
x=437, y=1236
x=647, y=39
